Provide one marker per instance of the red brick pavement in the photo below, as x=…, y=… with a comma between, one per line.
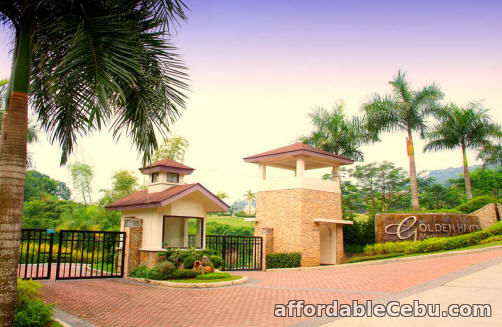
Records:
x=115, y=302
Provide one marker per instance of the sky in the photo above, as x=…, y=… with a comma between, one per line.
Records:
x=257, y=68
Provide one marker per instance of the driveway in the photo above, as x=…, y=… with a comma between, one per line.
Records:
x=117, y=302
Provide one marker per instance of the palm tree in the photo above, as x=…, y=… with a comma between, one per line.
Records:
x=249, y=196
x=336, y=134
x=403, y=111
x=465, y=128
x=222, y=195
x=490, y=154
x=82, y=65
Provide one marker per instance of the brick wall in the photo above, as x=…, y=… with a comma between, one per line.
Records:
x=290, y=214
x=488, y=214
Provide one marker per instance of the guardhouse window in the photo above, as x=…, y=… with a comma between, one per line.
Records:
x=155, y=177
x=173, y=178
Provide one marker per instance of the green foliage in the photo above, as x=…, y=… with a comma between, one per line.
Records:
x=214, y=228
x=434, y=244
x=27, y=290
x=38, y=186
x=491, y=239
x=30, y=311
x=476, y=203
x=139, y=272
x=173, y=148
x=214, y=275
x=216, y=261
x=82, y=174
x=373, y=257
x=188, y=262
x=284, y=260
x=334, y=133
x=359, y=233
x=484, y=182
x=183, y=274
x=35, y=313
x=124, y=183
x=178, y=256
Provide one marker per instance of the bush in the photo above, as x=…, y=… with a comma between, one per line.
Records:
x=491, y=239
x=214, y=275
x=216, y=261
x=140, y=272
x=353, y=248
x=30, y=311
x=27, y=290
x=435, y=244
x=188, y=262
x=183, y=274
x=476, y=203
x=34, y=313
x=178, y=256
x=284, y=260
x=359, y=233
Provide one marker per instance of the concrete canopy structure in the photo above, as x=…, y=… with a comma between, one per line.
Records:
x=300, y=213
x=160, y=214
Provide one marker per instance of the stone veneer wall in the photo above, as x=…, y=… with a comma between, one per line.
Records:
x=488, y=214
x=290, y=214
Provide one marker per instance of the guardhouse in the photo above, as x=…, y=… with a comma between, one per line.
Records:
x=300, y=213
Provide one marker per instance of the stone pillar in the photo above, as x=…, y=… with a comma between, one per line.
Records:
x=263, y=172
x=132, y=245
x=268, y=244
x=340, y=253
x=300, y=167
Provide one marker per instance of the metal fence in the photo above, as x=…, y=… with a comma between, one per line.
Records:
x=238, y=252
x=35, y=254
x=90, y=254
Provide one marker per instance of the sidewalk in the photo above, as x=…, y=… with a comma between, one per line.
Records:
x=482, y=287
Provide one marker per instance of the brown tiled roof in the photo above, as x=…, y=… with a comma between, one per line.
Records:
x=169, y=163
x=143, y=199
x=296, y=147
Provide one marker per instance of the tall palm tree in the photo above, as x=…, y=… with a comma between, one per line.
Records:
x=334, y=133
x=249, y=196
x=464, y=128
x=403, y=111
x=490, y=154
x=82, y=65
x=222, y=195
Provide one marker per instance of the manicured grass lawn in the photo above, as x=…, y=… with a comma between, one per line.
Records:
x=54, y=324
x=232, y=221
x=198, y=281
x=402, y=255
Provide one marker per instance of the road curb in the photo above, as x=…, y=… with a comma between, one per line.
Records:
x=243, y=280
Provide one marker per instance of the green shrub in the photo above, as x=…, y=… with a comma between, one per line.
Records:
x=27, y=290
x=165, y=269
x=140, y=272
x=373, y=257
x=183, y=274
x=214, y=275
x=491, y=239
x=216, y=261
x=359, y=232
x=476, y=203
x=178, y=256
x=188, y=262
x=369, y=249
x=284, y=260
x=33, y=313
x=353, y=248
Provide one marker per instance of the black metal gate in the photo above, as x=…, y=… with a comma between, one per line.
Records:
x=90, y=254
x=35, y=253
x=238, y=252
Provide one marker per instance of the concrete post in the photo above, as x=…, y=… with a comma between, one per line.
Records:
x=300, y=167
x=268, y=244
x=132, y=246
x=263, y=172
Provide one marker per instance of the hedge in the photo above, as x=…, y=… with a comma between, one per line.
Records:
x=476, y=203
x=284, y=260
x=435, y=243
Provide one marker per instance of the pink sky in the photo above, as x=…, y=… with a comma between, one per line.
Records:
x=258, y=67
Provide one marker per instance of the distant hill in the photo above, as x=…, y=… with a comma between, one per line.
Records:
x=443, y=175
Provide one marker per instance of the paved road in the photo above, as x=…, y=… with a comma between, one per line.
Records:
x=125, y=303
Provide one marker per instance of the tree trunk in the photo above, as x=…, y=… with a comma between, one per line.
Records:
x=413, y=174
x=467, y=176
x=13, y=142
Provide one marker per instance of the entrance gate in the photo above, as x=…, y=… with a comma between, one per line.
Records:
x=238, y=252
x=79, y=254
